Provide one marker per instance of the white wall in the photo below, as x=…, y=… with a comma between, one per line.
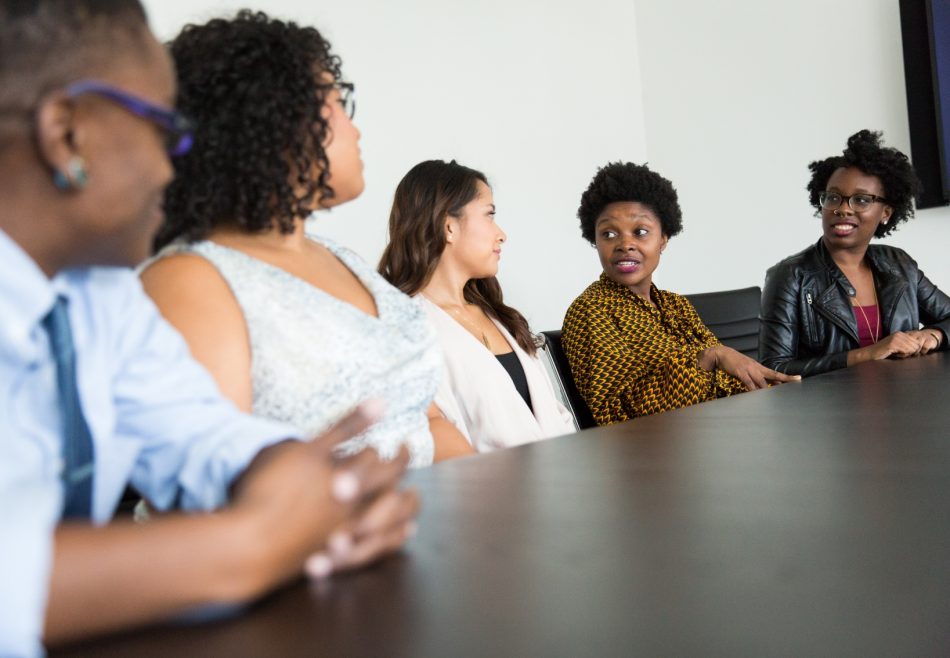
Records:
x=515, y=88
x=729, y=99
x=739, y=96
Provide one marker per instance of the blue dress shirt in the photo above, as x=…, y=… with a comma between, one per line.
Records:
x=156, y=417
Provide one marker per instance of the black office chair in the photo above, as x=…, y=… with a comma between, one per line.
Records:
x=562, y=369
x=733, y=315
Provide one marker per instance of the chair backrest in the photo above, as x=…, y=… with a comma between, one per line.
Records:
x=565, y=380
x=733, y=315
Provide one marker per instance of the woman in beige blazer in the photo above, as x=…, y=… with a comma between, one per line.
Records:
x=444, y=248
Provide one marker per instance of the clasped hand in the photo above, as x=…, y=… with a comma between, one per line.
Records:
x=321, y=513
x=905, y=344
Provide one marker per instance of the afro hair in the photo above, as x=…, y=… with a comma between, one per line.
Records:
x=866, y=152
x=625, y=181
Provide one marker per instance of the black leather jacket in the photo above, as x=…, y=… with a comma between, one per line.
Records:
x=807, y=322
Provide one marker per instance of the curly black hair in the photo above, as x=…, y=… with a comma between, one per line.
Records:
x=866, y=152
x=255, y=87
x=625, y=181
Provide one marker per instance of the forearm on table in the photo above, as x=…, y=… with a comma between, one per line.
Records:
x=260, y=460
x=126, y=574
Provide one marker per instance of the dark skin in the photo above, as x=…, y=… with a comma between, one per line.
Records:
x=296, y=509
x=847, y=234
x=286, y=517
x=629, y=240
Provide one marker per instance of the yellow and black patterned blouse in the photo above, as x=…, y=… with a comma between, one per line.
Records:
x=630, y=359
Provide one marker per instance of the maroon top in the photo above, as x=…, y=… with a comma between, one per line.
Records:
x=869, y=324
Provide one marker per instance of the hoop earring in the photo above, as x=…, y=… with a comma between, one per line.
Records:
x=75, y=177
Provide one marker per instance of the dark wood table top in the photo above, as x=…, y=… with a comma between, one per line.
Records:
x=808, y=519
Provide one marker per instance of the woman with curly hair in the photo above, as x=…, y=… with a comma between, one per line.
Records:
x=636, y=350
x=444, y=247
x=292, y=327
x=842, y=300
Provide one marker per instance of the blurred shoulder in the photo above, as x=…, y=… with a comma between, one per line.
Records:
x=110, y=290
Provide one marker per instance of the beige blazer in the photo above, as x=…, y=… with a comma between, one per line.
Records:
x=478, y=396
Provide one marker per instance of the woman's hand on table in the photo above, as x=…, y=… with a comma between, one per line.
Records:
x=930, y=340
x=900, y=345
x=324, y=513
x=747, y=370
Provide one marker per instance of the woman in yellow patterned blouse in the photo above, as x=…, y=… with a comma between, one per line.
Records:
x=636, y=350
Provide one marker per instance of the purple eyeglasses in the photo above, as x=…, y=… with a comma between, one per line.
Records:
x=179, y=131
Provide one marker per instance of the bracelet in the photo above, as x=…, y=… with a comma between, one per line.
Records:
x=937, y=337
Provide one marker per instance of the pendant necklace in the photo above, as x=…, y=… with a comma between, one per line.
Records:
x=867, y=322
x=472, y=328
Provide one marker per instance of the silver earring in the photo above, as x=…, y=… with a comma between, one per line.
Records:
x=74, y=178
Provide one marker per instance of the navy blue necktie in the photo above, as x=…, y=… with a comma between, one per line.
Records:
x=78, y=462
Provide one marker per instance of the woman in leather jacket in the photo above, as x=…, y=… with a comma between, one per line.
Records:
x=843, y=301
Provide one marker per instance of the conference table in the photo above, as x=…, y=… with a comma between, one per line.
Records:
x=806, y=519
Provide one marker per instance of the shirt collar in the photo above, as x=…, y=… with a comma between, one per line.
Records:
x=610, y=283
x=624, y=290
x=879, y=264
x=26, y=294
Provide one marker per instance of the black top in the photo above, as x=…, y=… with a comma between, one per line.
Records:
x=511, y=363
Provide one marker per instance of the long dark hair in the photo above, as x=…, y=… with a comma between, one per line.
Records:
x=431, y=191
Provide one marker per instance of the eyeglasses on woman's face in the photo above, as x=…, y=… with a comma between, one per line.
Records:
x=178, y=130
x=857, y=202
x=347, y=97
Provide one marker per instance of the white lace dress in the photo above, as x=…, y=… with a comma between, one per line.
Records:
x=314, y=357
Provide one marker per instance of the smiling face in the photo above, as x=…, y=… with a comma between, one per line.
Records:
x=844, y=228
x=629, y=240
x=473, y=240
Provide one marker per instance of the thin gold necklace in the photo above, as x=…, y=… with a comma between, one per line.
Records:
x=457, y=313
x=867, y=322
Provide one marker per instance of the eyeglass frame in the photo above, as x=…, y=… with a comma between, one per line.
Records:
x=874, y=199
x=347, y=97
x=174, y=123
